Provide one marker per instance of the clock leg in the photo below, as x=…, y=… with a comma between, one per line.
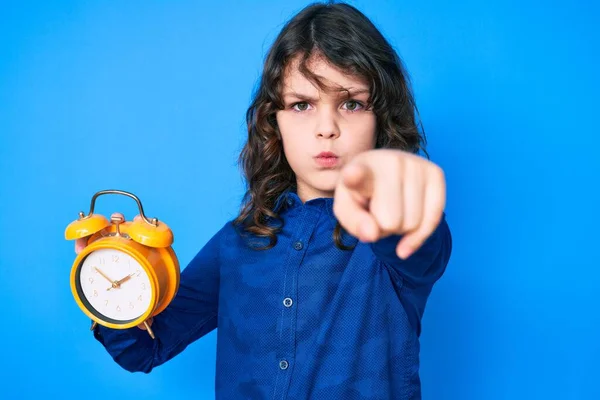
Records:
x=149, y=329
x=94, y=323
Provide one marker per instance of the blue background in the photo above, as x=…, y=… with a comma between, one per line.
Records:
x=150, y=97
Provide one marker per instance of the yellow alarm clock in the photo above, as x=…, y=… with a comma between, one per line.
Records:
x=128, y=271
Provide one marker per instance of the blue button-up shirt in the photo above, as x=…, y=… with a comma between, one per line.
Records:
x=303, y=320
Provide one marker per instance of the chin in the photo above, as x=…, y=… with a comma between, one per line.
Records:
x=326, y=185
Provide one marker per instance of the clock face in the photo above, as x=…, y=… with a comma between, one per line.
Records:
x=115, y=285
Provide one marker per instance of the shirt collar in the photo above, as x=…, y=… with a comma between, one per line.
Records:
x=289, y=199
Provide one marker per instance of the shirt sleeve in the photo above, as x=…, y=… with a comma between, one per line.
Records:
x=190, y=315
x=427, y=264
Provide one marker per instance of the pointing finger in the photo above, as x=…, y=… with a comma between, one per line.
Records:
x=358, y=178
x=353, y=216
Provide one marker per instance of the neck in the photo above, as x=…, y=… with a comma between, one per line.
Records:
x=306, y=194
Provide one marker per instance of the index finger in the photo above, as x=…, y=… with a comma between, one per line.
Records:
x=358, y=178
x=353, y=216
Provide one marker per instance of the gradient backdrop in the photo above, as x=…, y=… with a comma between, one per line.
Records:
x=149, y=97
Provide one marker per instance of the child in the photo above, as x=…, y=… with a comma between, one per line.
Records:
x=318, y=287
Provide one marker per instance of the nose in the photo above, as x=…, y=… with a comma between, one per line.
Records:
x=327, y=126
x=328, y=134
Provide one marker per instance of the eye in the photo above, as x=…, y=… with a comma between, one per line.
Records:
x=353, y=105
x=301, y=106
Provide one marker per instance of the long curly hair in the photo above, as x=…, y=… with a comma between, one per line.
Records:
x=347, y=39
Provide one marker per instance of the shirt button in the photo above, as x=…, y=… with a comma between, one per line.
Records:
x=298, y=245
x=290, y=202
x=287, y=302
x=283, y=364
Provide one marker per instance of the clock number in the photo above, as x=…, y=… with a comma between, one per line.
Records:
x=105, y=302
x=95, y=293
x=118, y=308
x=140, y=297
x=143, y=286
x=115, y=258
x=131, y=305
x=138, y=272
x=91, y=280
x=101, y=260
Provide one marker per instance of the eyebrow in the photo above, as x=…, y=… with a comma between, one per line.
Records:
x=301, y=96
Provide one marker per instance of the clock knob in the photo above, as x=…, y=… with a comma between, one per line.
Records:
x=117, y=220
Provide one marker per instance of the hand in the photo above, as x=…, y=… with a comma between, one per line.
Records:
x=148, y=321
x=384, y=192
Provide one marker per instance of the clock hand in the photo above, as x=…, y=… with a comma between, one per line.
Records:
x=128, y=277
x=117, y=284
x=104, y=275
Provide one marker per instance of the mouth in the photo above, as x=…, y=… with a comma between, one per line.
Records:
x=327, y=159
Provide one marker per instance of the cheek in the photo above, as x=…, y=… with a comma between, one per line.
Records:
x=371, y=138
x=291, y=129
x=284, y=126
x=290, y=135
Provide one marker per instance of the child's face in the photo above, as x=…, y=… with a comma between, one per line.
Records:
x=315, y=121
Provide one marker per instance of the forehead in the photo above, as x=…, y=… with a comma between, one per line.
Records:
x=333, y=77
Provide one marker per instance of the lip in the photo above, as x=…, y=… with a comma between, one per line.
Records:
x=327, y=159
x=326, y=154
